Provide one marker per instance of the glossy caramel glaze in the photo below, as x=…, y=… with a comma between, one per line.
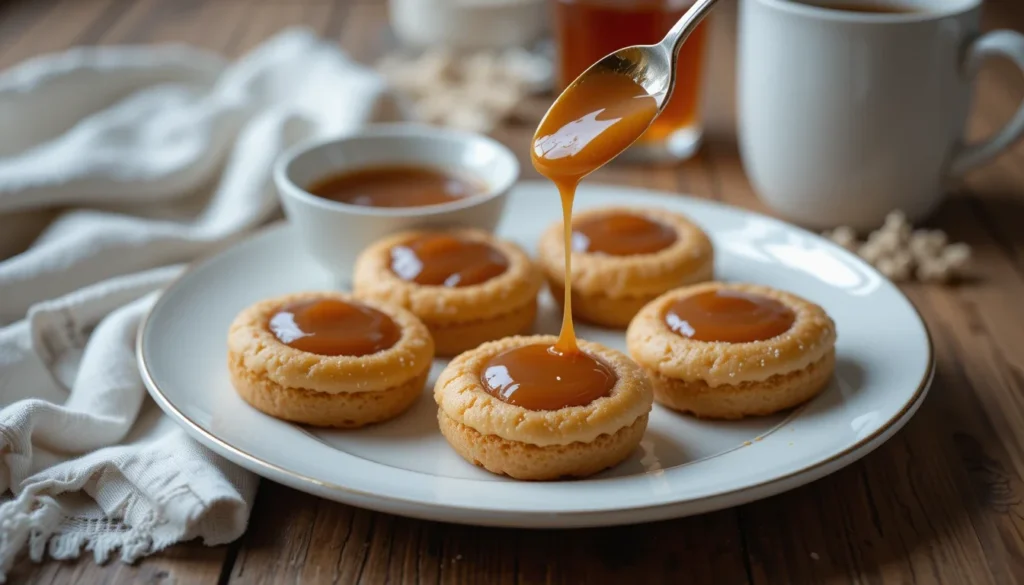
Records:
x=728, y=315
x=587, y=30
x=333, y=327
x=398, y=186
x=446, y=260
x=621, y=234
x=588, y=125
x=538, y=377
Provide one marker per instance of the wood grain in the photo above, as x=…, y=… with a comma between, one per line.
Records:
x=939, y=503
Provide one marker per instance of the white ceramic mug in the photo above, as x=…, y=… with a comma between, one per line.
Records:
x=334, y=233
x=845, y=116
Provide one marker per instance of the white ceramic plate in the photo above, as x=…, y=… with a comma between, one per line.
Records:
x=684, y=466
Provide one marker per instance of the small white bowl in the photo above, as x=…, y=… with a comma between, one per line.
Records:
x=334, y=233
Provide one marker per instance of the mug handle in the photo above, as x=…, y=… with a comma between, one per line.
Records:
x=998, y=43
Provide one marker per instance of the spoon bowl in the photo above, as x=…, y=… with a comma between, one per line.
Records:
x=652, y=67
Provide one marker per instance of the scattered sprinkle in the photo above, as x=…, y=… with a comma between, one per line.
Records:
x=815, y=556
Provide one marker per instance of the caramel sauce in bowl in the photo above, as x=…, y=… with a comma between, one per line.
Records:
x=333, y=232
x=397, y=186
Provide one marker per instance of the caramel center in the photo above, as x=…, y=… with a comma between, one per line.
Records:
x=398, y=186
x=333, y=327
x=728, y=315
x=621, y=234
x=445, y=260
x=538, y=377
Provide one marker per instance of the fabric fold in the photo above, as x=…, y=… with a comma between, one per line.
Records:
x=158, y=155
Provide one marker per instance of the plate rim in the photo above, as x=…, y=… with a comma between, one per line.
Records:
x=269, y=469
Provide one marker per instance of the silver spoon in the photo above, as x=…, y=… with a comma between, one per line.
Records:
x=653, y=67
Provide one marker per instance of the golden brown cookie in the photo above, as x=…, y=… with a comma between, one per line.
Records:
x=466, y=285
x=728, y=351
x=573, y=441
x=624, y=257
x=326, y=359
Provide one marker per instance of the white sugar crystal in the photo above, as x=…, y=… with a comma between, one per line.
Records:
x=896, y=223
x=887, y=241
x=473, y=91
x=498, y=98
x=483, y=69
x=956, y=256
x=926, y=243
x=434, y=108
x=534, y=73
x=893, y=270
x=932, y=271
x=871, y=251
x=437, y=63
x=903, y=260
x=844, y=236
x=470, y=119
x=901, y=253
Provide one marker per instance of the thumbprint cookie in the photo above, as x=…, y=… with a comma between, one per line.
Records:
x=518, y=407
x=728, y=351
x=466, y=285
x=622, y=258
x=326, y=359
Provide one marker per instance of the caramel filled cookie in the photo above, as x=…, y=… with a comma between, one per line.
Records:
x=624, y=257
x=326, y=359
x=510, y=408
x=732, y=350
x=466, y=285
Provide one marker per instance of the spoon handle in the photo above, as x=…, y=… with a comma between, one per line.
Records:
x=675, y=38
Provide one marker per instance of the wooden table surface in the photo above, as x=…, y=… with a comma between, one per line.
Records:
x=941, y=502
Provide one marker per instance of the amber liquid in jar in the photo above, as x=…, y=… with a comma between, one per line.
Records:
x=587, y=30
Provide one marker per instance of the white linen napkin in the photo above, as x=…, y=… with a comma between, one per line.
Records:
x=157, y=154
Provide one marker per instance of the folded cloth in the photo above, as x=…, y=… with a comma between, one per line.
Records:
x=157, y=154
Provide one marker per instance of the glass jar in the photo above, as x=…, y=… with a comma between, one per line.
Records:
x=587, y=30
